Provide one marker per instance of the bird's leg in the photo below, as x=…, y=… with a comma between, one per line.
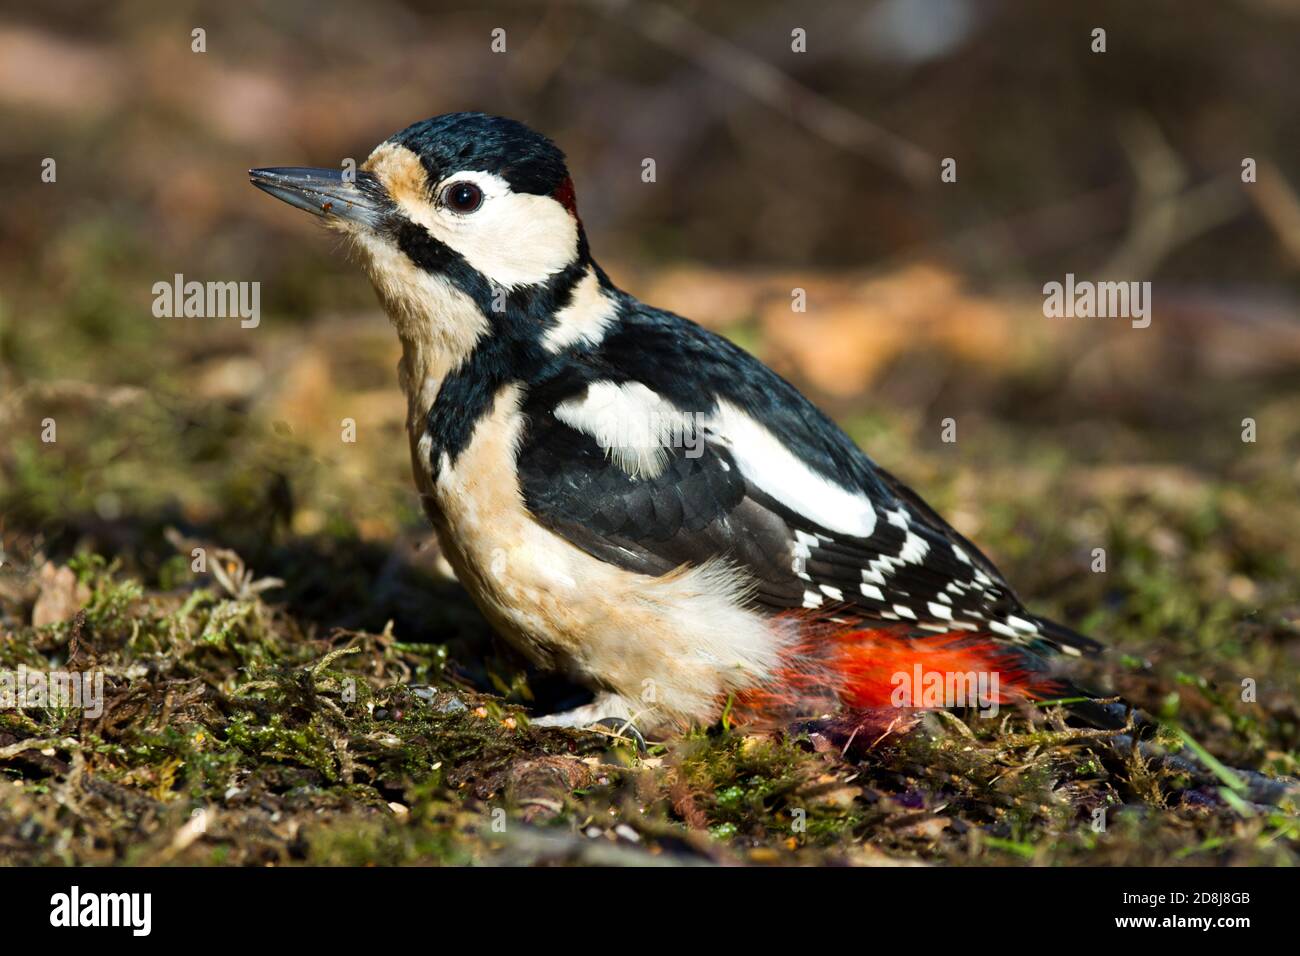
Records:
x=604, y=705
x=607, y=713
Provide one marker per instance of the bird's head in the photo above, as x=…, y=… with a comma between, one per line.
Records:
x=462, y=204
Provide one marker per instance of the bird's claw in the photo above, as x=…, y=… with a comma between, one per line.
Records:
x=620, y=728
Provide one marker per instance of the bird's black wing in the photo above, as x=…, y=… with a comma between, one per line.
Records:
x=911, y=568
x=697, y=508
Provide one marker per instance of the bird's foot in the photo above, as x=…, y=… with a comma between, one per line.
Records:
x=619, y=729
x=607, y=714
x=858, y=730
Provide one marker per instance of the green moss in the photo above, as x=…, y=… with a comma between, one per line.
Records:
x=289, y=714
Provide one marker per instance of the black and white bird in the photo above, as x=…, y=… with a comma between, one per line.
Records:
x=628, y=497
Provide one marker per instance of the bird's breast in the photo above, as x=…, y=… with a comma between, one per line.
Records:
x=686, y=636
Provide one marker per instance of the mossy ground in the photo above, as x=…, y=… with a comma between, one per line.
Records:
x=357, y=710
x=233, y=734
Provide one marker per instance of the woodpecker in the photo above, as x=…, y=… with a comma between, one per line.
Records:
x=629, y=498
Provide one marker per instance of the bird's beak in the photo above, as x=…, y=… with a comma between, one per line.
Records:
x=324, y=192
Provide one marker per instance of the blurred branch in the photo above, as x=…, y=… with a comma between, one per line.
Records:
x=771, y=86
x=63, y=390
x=1167, y=213
x=1062, y=224
x=1278, y=204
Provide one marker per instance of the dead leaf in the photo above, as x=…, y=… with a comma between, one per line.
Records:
x=61, y=596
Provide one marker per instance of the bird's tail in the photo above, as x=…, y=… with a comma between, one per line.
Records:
x=839, y=667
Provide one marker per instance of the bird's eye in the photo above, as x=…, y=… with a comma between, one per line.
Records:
x=462, y=197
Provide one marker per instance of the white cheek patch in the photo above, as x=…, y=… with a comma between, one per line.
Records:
x=769, y=465
x=515, y=239
x=585, y=318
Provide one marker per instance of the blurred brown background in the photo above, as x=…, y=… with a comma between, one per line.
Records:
x=776, y=170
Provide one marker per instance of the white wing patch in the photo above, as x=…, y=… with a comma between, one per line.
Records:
x=941, y=611
x=633, y=424
x=769, y=465
x=636, y=426
x=900, y=595
x=915, y=548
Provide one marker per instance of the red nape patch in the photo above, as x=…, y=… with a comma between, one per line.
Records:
x=566, y=197
x=855, y=668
